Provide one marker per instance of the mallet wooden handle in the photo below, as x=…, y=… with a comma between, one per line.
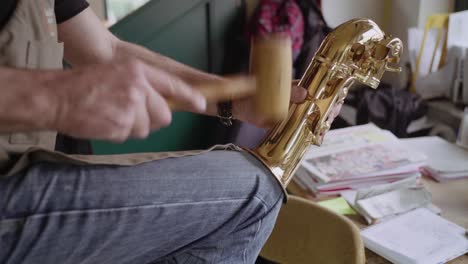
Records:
x=222, y=90
x=271, y=63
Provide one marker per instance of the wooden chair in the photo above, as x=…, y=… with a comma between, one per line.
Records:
x=308, y=233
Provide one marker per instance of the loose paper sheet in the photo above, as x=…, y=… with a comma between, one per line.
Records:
x=442, y=155
x=338, y=205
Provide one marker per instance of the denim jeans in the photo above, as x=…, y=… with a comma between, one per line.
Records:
x=217, y=207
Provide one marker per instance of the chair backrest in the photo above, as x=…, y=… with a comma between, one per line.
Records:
x=308, y=233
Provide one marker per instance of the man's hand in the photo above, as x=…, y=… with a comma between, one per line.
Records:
x=244, y=110
x=118, y=100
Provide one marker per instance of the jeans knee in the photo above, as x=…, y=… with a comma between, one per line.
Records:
x=268, y=190
x=263, y=187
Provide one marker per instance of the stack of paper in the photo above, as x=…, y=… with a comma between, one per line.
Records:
x=417, y=237
x=380, y=202
x=357, y=157
x=446, y=161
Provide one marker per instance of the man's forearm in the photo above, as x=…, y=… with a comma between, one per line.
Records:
x=188, y=74
x=26, y=103
x=87, y=42
x=78, y=32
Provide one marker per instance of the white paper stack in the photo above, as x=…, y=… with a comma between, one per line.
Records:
x=381, y=202
x=357, y=157
x=446, y=161
x=417, y=237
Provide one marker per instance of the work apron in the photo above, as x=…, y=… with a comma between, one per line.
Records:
x=29, y=41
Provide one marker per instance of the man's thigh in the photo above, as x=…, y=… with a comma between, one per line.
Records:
x=58, y=213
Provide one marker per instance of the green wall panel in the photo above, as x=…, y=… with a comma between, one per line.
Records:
x=185, y=40
x=188, y=131
x=191, y=32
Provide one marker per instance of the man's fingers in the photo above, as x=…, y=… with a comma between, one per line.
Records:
x=176, y=90
x=160, y=114
x=298, y=94
x=336, y=110
x=141, y=127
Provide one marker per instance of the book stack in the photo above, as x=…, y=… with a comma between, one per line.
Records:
x=357, y=157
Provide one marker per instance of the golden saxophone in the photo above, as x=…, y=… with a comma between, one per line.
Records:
x=357, y=50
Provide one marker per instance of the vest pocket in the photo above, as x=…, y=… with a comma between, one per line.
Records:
x=14, y=51
x=24, y=138
x=33, y=54
x=44, y=54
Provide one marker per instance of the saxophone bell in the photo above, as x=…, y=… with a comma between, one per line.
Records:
x=357, y=50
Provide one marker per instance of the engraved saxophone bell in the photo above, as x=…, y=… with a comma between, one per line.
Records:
x=357, y=50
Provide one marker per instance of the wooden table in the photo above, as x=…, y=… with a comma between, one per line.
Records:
x=451, y=197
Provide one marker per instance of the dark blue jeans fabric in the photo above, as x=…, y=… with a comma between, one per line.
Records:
x=216, y=207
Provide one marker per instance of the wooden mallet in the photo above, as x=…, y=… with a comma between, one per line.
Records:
x=271, y=64
x=229, y=88
x=269, y=83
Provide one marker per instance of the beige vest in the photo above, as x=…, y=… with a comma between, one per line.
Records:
x=29, y=40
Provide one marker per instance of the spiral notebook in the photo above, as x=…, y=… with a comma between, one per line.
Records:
x=417, y=237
